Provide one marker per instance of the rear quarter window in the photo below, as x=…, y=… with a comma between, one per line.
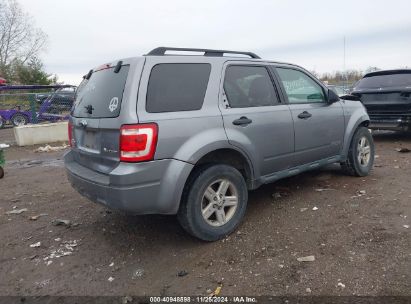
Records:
x=102, y=93
x=176, y=87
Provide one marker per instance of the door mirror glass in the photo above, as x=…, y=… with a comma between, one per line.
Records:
x=332, y=96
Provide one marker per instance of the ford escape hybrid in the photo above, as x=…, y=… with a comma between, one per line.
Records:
x=171, y=133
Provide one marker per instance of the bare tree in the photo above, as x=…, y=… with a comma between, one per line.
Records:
x=20, y=40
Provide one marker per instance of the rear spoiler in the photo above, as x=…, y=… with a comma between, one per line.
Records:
x=382, y=90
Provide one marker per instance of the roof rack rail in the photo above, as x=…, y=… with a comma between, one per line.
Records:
x=160, y=51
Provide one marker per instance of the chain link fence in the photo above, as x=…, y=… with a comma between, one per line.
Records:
x=21, y=105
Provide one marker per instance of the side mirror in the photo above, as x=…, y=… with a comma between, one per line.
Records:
x=332, y=97
x=351, y=97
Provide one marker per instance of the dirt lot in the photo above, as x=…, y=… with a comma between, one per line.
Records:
x=358, y=230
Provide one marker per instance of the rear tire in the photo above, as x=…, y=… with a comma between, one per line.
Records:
x=19, y=120
x=1, y=172
x=360, y=158
x=2, y=122
x=213, y=203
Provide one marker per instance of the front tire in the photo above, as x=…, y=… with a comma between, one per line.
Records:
x=213, y=203
x=19, y=120
x=360, y=158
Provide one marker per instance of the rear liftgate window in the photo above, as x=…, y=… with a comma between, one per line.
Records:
x=101, y=95
x=177, y=87
x=385, y=81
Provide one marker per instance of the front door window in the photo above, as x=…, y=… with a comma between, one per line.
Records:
x=300, y=88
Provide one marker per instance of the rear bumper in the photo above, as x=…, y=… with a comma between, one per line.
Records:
x=390, y=122
x=137, y=188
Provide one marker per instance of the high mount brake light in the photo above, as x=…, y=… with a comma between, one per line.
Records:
x=138, y=142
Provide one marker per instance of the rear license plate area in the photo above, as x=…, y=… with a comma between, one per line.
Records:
x=89, y=141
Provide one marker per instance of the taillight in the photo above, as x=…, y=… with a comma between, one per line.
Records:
x=70, y=134
x=138, y=142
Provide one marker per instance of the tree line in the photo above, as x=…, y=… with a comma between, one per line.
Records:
x=344, y=77
x=21, y=44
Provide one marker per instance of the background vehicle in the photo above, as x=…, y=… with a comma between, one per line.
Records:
x=387, y=97
x=27, y=111
x=61, y=99
x=18, y=117
x=190, y=135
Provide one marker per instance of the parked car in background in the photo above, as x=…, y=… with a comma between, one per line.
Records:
x=190, y=135
x=2, y=81
x=61, y=99
x=20, y=117
x=387, y=97
x=21, y=111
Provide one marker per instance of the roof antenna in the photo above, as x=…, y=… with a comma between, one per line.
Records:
x=118, y=66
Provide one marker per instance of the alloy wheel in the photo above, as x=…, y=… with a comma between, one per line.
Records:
x=219, y=203
x=19, y=120
x=363, y=151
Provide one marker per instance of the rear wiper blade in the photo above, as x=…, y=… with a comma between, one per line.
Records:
x=118, y=67
x=88, y=75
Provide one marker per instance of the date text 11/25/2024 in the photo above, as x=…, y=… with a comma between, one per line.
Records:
x=203, y=299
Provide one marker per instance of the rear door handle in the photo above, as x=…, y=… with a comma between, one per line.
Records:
x=304, y=115
x=242, y=121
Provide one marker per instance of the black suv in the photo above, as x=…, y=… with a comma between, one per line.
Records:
x=387, y=97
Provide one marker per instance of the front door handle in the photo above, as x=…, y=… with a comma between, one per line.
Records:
x=304, y=115
x=242, y=121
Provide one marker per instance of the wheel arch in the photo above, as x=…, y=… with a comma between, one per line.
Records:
x=228, y=156
x=356, y=120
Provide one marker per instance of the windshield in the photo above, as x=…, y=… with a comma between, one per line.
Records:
x=385, y=81
x=101, y=95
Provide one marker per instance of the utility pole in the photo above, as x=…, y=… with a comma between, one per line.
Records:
x=344, y=72
x=344, y=54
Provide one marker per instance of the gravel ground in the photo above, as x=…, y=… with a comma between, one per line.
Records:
x=358, y=230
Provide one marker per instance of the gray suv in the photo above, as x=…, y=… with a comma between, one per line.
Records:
x=171, y=133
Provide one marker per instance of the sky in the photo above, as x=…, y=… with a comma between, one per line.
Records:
x=86, y=33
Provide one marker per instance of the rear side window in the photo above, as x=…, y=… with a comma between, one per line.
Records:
x=249, y=86
x=385, y=81
x=101, y=95
x=177, y=87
